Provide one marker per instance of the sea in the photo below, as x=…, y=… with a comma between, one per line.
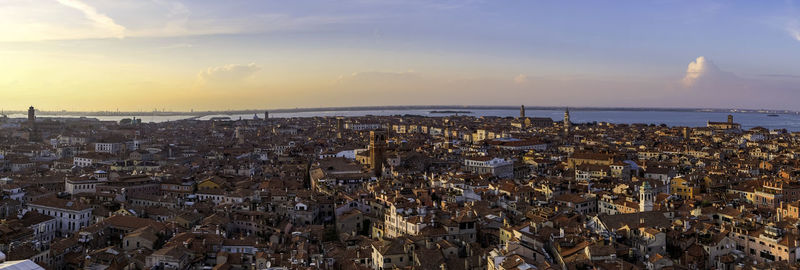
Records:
x=790, y=122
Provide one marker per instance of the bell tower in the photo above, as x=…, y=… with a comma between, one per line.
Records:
x=645, y=197
x=377, y=149
x=34, y=133
x=567, y=123
x=31, y=116
x=340, y=128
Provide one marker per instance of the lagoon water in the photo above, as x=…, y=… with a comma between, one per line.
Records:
x=790, y=122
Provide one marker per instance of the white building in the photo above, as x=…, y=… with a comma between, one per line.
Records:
x=14, y=192
x=82, y=161
x=85, y=183
x=69, y=216
x=216, y=196
x=43, y=226
x=90, y=159
x=109, y=147
x=71, y=140
x=362, y=126
x=486, y=165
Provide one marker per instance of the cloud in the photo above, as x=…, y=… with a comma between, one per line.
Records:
x=177, y=46
x=521, y=79
x=423, y=4
x=26, y=20
x=794, y=30
x=378, y=77
x=703, y=71
x=100, y=20
x=231, y=73
x=706, y=85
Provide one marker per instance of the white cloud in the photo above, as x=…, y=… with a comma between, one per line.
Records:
x=100, y=20
x=521, y=79
x=26, y=20
x=703, y=70
x=178, y=46
x=378, y=77
x=793, y=27
x=231, y=73
x=706, y=85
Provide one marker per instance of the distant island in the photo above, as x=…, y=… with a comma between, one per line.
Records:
x=435, y=108
x=451, y=112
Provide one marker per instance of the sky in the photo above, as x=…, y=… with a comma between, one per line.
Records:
x=181, y=55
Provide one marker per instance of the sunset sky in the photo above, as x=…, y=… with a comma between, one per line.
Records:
x=216, y=55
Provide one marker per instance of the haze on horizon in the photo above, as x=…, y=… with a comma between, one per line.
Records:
x=130, y=55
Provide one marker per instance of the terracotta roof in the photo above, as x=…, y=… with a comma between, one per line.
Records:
x=61, y=204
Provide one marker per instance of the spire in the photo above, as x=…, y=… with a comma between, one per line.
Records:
x=645, y=197
x=567, y=123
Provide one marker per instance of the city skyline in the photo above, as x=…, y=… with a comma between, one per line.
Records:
x=399, y=134
x=203, y=55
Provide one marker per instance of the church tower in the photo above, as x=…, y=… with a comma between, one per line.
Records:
x=33, y=134
x=645, y=197
x=31, y=116
x=567, y=123
x=238, y=134
x=377, y=149
x=339, y=127
x=522, y=111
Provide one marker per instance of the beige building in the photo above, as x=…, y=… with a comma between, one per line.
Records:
x=174, y=257
x=771, y=244
x=390, y=254
x=407, y=222
x=142, y=238
x=350, y=222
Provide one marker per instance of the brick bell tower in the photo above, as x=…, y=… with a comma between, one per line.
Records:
x=377, y=150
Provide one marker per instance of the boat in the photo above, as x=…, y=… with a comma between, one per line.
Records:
x=773, y=115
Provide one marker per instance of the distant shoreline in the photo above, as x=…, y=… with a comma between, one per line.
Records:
x=450, y=112
x=433, y=108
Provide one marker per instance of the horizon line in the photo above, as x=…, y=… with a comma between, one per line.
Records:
x=407, y=107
